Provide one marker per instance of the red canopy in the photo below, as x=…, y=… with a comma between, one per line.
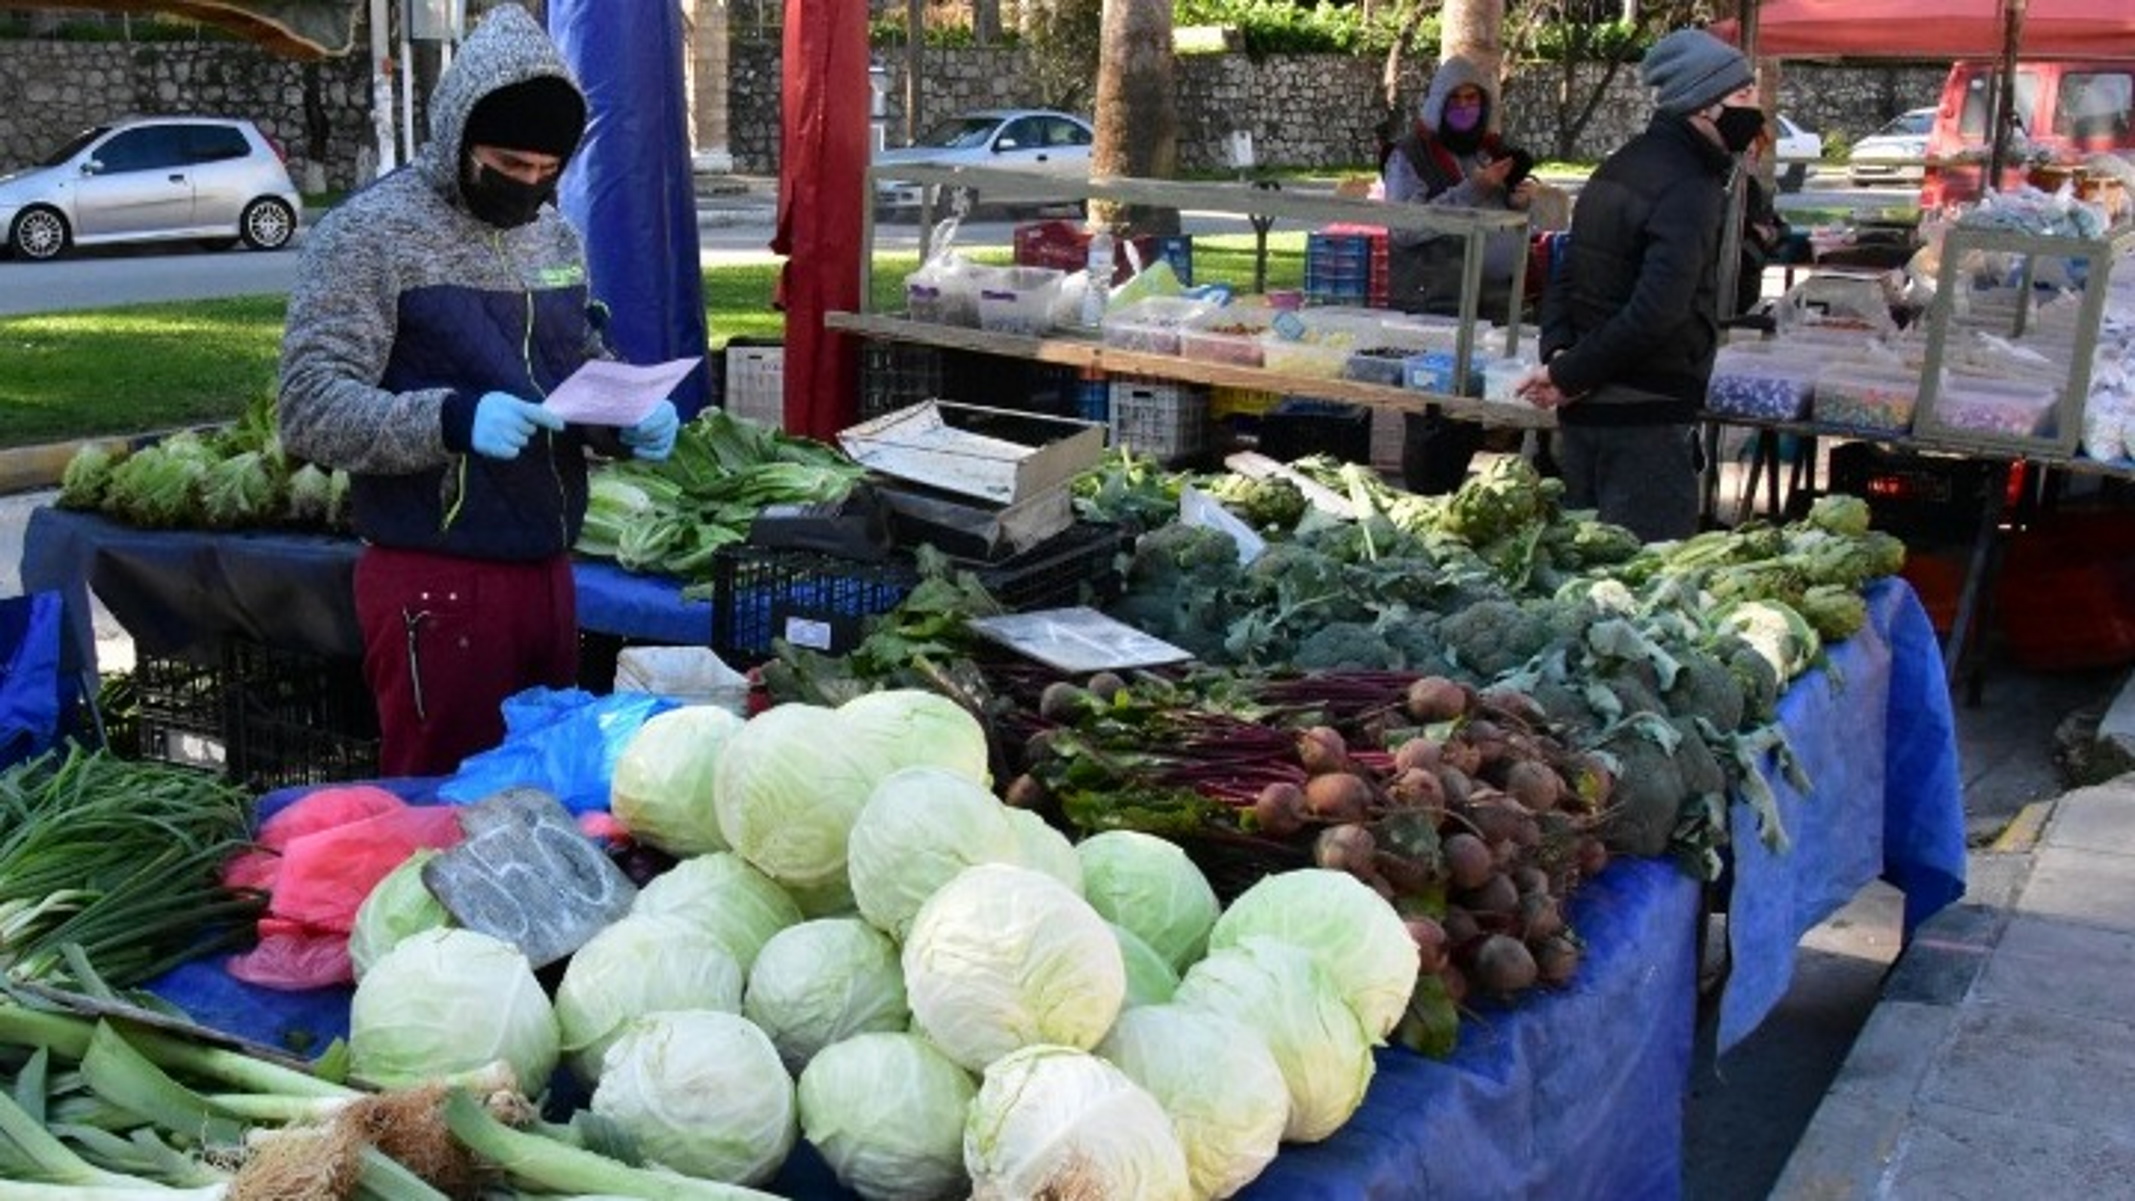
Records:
x=1938, y=29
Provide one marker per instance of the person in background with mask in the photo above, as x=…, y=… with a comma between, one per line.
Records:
x=1630, y=329
x=1451, y=158
x=431, y=314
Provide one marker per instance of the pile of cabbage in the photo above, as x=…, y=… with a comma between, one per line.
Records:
x=862, y=946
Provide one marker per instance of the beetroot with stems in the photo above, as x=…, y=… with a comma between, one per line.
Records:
x=1323, y=750
x=1338, y=797
x=1503, y=966
x=1279, y=810
x=1436, y=698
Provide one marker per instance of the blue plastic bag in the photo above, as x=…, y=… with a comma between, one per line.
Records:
x=29, y=675
x=564, y=741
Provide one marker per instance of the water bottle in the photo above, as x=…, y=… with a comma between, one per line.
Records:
x=1100, y=279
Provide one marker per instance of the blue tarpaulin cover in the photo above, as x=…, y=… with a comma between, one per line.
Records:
x=1875, y=723
x=30, y=688
x=629, y=189
x=1576, y=1093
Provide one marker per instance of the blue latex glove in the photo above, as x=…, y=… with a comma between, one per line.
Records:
x=504, y=424
x=653, y=437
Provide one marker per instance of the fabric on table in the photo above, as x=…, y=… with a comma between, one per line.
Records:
x=30, y=690
x=1874, y=733
x=179, y=593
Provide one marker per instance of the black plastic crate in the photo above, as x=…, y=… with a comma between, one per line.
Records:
x=1913, y=495
x=179, y=712
x=896, y=375
x=297, y=718
x=1298, y=427
x=822, y=602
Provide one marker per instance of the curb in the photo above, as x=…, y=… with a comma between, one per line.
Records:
x=2021, y=836
x=30, y=468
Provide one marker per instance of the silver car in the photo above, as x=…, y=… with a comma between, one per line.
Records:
x=1017, y=139
x=214, y=180
x=1882, y=156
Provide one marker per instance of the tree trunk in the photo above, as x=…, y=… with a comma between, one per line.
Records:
x=915, y=44
x=986, y=21
x=1475, y=30
x=1137, y=107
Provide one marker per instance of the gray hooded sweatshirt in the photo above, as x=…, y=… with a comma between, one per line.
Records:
x=1425, y=266
x=407, y=309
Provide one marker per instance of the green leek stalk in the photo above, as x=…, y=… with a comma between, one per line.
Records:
x=68, y=1037
x=533, y=1161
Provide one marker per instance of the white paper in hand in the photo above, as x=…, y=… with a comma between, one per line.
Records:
x=618, y=394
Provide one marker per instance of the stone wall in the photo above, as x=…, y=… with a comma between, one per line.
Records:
x=1309, y=111
x=49, y=91
x=1315, y=110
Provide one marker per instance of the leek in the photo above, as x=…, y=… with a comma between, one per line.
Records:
x=541, y=1163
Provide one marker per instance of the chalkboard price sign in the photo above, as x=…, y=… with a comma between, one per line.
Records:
x=528, y=875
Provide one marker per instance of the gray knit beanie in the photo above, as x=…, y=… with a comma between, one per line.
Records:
x=1690, y=69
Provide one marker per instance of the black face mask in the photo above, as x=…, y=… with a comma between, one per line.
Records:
x=1738, y=127
x=501, y=200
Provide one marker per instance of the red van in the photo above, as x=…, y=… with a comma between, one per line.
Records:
x=2066, y=109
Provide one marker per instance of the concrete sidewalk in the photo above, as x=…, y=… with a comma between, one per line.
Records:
x=2000, y=1059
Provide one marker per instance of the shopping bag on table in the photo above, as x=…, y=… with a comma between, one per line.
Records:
x=563, y=741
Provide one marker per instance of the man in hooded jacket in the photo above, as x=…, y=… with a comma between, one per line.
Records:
x=431, y=314
x=1450, y=158
x=1630, y=328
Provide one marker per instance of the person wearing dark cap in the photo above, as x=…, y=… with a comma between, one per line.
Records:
x=1451, y=158
x=1630, y=328
x=431, y=313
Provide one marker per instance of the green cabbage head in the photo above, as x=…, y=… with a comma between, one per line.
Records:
x=788, y=789
x=700, y=1093
x=399, y=905
x=1053, y=1121
x=886, y=1110
x=919, y=828
x=720, y=894
x=1358, y=939
x=1281, y=993
x=644, y=963
x=1149, y=886
x=446, y=1004
x=1003, y=957
x=823, y=981
x=911, y=727
x=663, y=784
x=1218, y=1081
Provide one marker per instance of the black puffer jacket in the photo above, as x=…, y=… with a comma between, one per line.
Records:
x=1635, y=305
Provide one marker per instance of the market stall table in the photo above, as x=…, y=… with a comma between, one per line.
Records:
x=1576, y=1092
x=179, y=593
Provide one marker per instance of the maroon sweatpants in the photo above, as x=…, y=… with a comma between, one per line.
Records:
x=446, y=639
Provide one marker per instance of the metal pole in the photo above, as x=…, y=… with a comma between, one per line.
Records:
x=2005, y=99
x=407, y=89
x=382, y=87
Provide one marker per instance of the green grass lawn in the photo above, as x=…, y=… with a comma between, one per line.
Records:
x=145, y=368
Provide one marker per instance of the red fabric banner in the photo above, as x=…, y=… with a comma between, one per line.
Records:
x=823, y=158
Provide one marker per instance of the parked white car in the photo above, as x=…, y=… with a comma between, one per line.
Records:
x=214, y=180
x=1878, y=157
x=1014, y=139
x=1793, y=151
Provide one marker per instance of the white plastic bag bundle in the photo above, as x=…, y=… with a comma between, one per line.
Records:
x=692, y=675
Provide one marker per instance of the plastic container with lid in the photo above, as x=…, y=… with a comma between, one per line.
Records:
x=1502, y=375
x=1865, y=396
x=1770, y=387
x=1227, y=335
x=1151, y=325
x=1017, y=300
x=2021, y=408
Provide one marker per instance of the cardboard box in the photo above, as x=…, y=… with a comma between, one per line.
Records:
x=1001, y=456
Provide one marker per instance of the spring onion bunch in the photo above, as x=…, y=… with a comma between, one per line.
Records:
x=112, y=868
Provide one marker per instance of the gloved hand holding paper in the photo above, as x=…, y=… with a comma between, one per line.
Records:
x=618, y=394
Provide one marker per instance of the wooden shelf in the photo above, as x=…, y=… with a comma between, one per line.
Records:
x=1088, y=353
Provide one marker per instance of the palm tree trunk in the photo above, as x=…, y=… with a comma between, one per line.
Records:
x=1137, y=107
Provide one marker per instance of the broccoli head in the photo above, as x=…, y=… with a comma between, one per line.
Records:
x=1704, y=687
x=1343, y=646
x=1494, y=636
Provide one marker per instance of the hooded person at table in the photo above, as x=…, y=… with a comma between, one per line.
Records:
x=1630, y=327
x=431, y=314
x=1450, y=158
